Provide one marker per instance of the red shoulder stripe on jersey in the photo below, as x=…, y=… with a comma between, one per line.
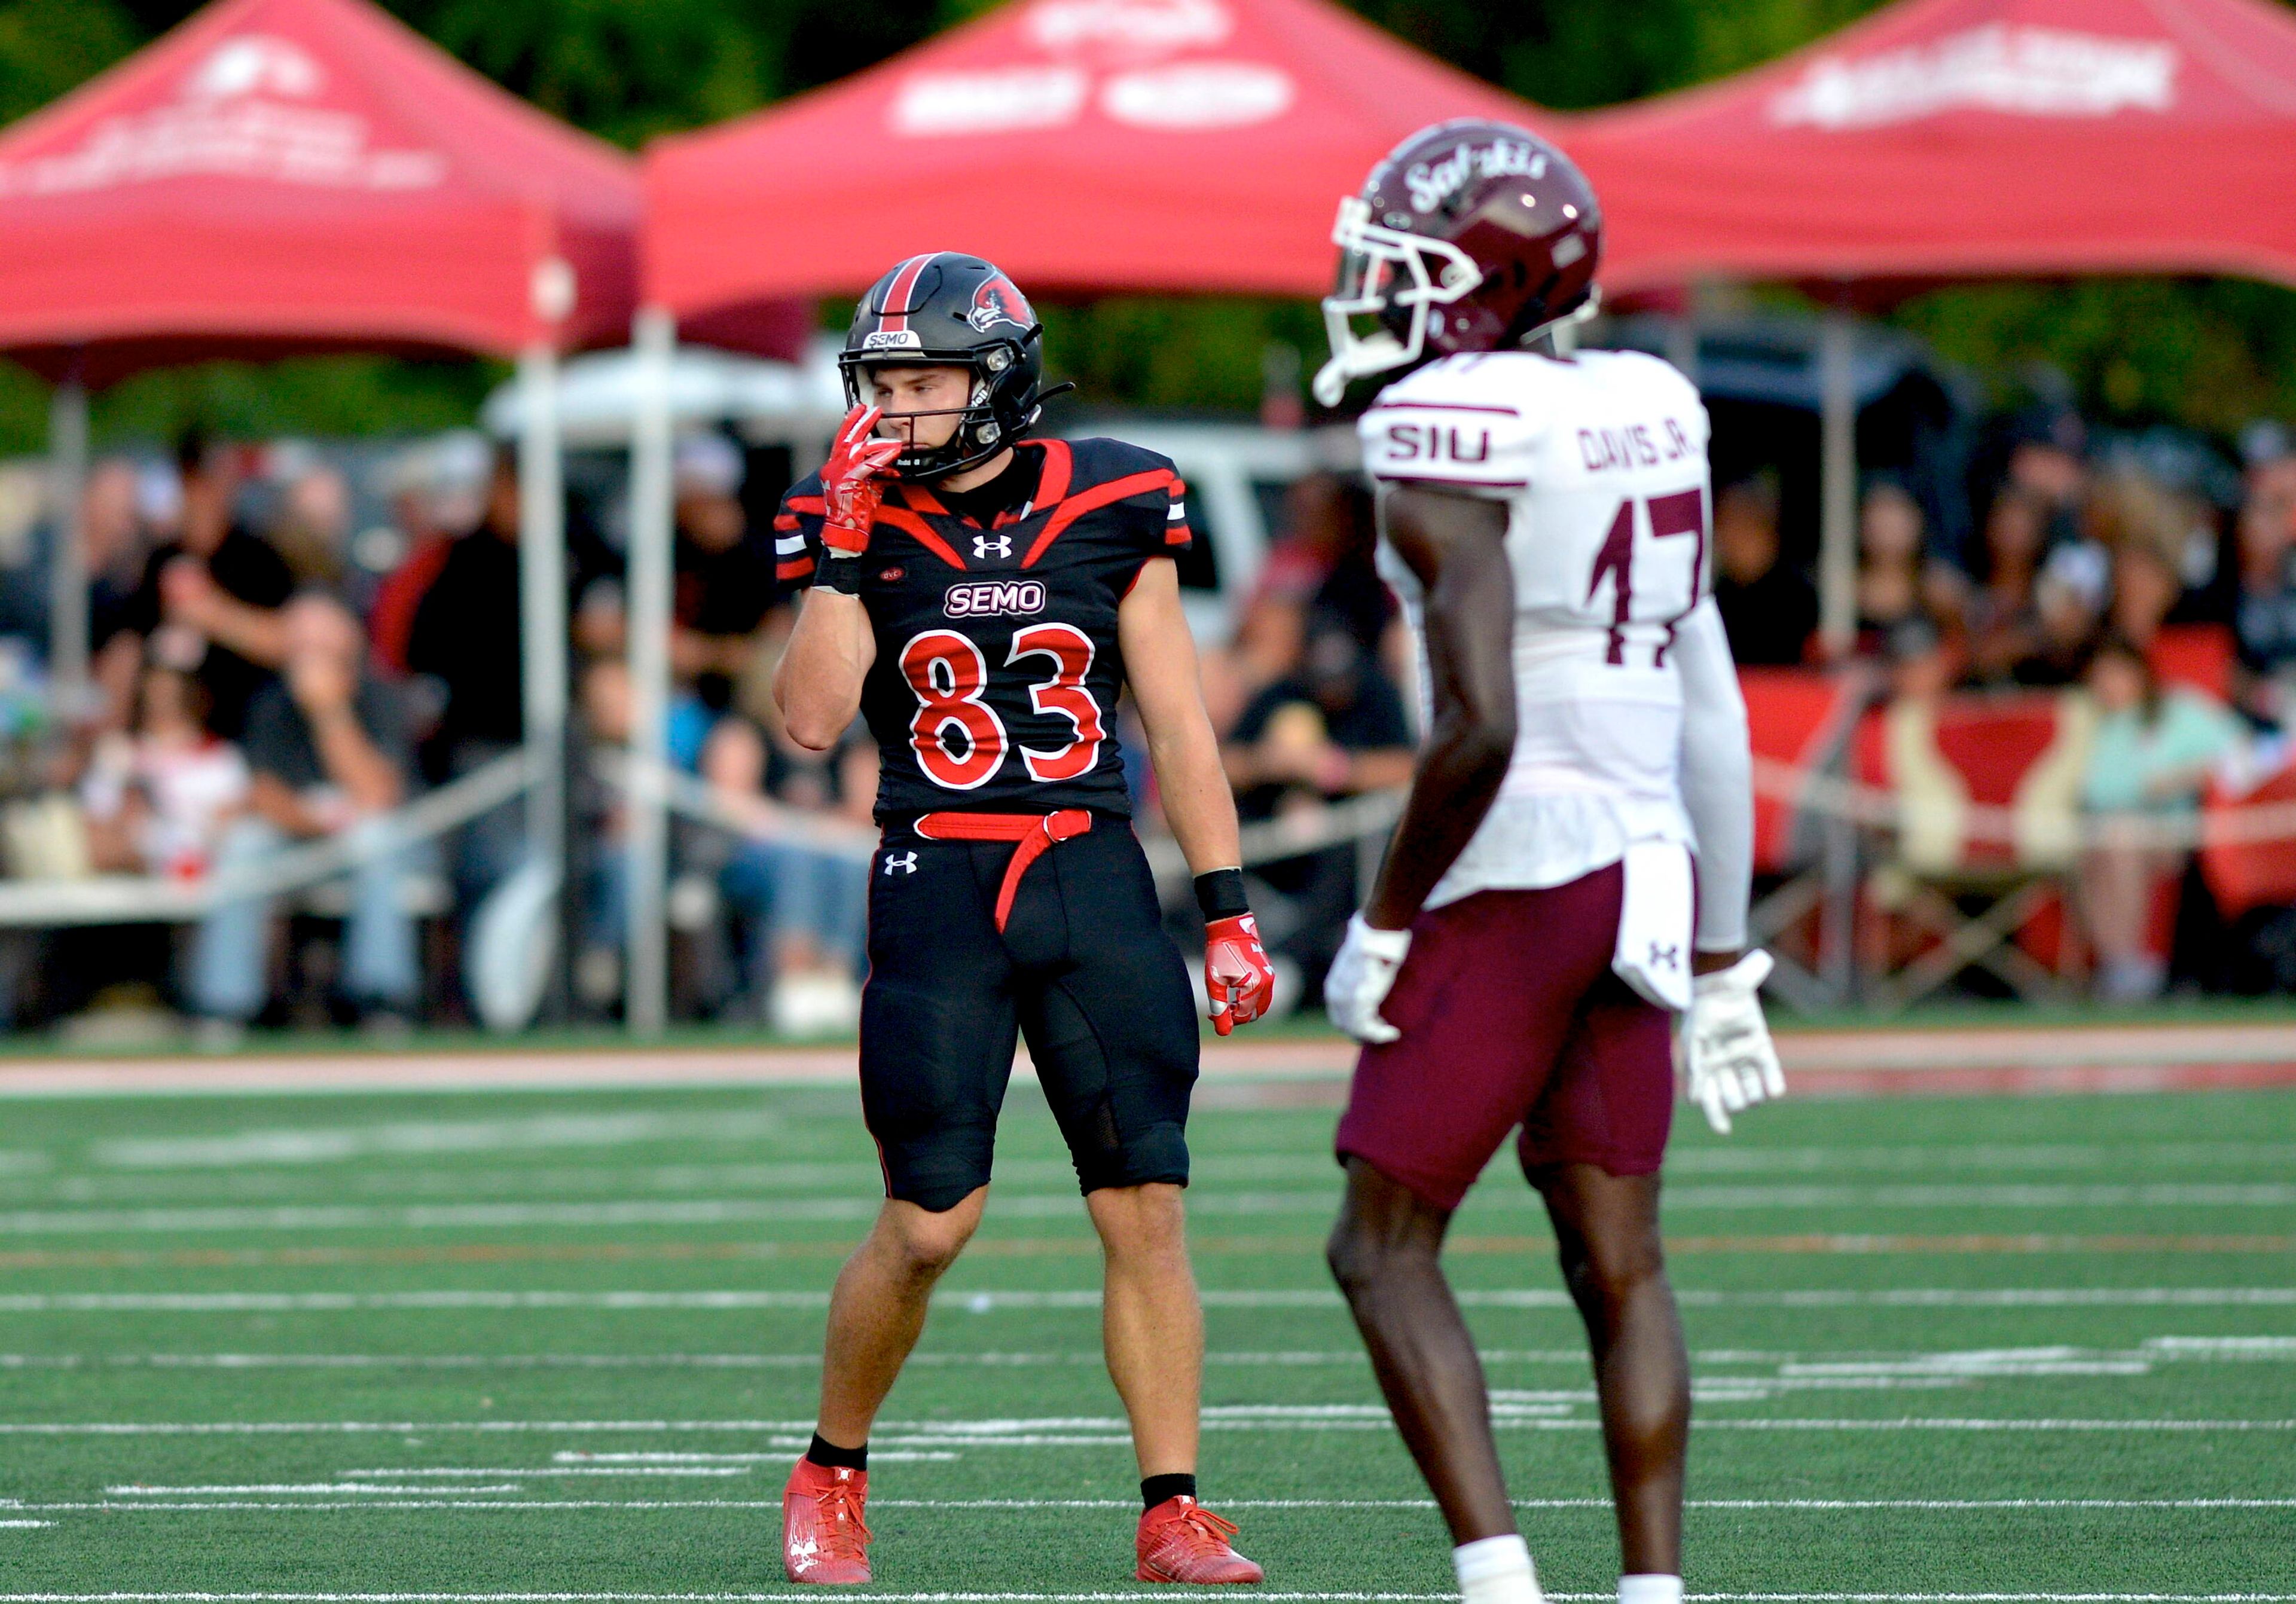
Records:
x=1503, y=411
x=919, y=497
x=1179, y=488
x=796, y=567
x=786, y=521
x=1060, y=467
x=910, y=524
x=813, y=505
x=1180, y=536
x=1091, y=501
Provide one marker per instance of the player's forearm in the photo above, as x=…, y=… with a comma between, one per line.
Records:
x=1716, y=780
x=1459, y=778
x=818, y=684
x=1198, y=804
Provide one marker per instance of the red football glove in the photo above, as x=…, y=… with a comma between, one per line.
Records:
x=1237, y=976
x=850, y=489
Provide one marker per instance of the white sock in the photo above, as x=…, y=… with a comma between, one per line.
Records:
x=1650, y=1590
x=1497, y=1570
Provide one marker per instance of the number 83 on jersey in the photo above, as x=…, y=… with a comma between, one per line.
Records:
x=960, y=741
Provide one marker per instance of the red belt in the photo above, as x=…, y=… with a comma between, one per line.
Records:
x=1034, y=832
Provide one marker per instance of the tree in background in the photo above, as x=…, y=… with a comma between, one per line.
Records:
x=2211, y=354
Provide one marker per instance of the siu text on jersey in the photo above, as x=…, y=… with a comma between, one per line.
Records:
x=1437, y=443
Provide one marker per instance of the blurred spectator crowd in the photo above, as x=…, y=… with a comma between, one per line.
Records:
x=286, y=647
x=2122, y=573
x=267, y=671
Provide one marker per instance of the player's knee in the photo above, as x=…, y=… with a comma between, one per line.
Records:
x=1140, y=1222
x=922, y=1243
x=1612, y=1267
x=1363, y=1257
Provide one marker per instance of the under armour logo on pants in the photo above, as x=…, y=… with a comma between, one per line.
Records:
x=906, y=863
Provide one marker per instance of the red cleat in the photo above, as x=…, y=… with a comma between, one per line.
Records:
x=823, y=1538
x=1181, y=1540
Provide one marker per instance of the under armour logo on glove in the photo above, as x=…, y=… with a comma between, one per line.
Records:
x=1665, y=957
x=906, y=863
x=982, y=544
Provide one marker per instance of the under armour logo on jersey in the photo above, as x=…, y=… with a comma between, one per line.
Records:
x=982, y=544
x=1663, y=957
x=906, y=863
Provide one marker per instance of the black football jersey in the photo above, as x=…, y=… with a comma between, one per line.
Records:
x=998, y=669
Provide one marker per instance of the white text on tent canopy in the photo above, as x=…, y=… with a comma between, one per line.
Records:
x=225, y=126
x=1198, y=94
x=1128, y=27
x=2024, y=72
x=255, y=64
x=934, y=103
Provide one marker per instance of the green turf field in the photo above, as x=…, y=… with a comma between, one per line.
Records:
x=543, y=1344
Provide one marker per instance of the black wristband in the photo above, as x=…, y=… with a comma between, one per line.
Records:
x=839, y=574
x=1220, y=894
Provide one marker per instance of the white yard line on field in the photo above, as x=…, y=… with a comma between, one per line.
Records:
x=335, y=1145
x=547, y=1469
x=988, y=1433
x=281, y=1489
x=985, y=1301
x=1120, y=1598
x=1314, y=1201
x=1756, y=1505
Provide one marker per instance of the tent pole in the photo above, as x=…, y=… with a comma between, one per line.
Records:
x=542, y=598
x=1837, y=545
x=68, y=549
x=655, y=337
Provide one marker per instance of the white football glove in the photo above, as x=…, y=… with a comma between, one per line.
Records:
x=1360, y=978
x=1728, y=1060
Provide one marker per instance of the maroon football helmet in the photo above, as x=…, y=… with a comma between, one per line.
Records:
x=1470, y=236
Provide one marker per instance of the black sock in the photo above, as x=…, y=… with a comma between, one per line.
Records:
x=1156, y=1489
x=830, y=1456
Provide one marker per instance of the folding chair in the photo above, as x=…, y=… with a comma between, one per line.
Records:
x=2244, y=871
x=2020, y=757
x=1801, y=721
x=2198, y=655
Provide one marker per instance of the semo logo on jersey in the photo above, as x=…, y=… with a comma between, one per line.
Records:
x=995, y=598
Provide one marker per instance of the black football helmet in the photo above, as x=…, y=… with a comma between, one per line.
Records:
x=1470, y=237
x=945, y=308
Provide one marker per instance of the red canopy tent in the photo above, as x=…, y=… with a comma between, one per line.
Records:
x=1969, y=138
x=284, y=176
x=1085, y=145
x=1955, y=139
x=294, y=175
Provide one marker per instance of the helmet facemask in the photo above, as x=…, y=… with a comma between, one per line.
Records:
x=991, y=419
x=1392, y=278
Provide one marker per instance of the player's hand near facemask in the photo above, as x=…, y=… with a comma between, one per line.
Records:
x=852, y=484
x=1360, y=978
x=1728, y=1062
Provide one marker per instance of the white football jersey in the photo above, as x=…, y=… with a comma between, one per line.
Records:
x=1602, y=461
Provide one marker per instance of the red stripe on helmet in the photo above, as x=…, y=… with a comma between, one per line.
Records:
x=895, y=318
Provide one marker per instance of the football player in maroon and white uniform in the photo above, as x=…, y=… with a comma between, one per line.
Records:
x=982, y=599
x=1540, y=922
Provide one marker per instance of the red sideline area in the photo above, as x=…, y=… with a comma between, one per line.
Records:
x=1879, y=1062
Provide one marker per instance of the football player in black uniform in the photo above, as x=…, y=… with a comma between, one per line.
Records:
x=982, y=599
